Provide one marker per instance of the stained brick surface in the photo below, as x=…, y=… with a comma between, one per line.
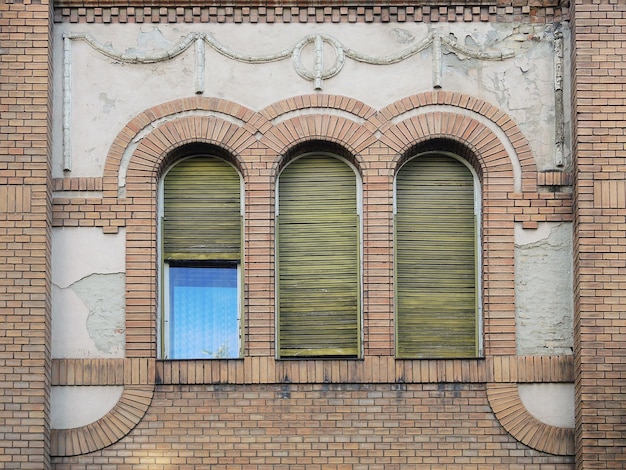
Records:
x=355, y=426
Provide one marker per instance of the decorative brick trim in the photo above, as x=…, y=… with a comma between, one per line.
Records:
x=116, y=424
x=452, y=122
x=15, y=198
x=84, y=372
x=555, y=178
x=138, y=378
x=267, y=370
x=77, y=184
x=519, y=423
x=351, y=106
x=609, y=193
x=239, y=11
x=372, y=369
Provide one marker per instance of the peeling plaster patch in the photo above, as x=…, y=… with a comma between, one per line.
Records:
x=88, y=290
x=544, y=290
x=521, y=88
x=107, y=104
x=150, y=40
x=103, y=294
x=528, y=237
x=402, y=36
x=469, y=41
x=72, y=407
x=523, y=64
x=524, y=86
x=88, y=318
x=552, y=404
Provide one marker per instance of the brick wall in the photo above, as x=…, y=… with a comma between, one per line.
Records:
x=194, y=396
x=349, y=426
x=599, y=28
x=24, y=233
x=374, y=413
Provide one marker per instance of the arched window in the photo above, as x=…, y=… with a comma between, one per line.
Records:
x=201, y=260
x=437, y=294
x=318, y=259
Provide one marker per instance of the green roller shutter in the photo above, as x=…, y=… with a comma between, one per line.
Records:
x=202, y=216
x=436, y=259
x=318, y=259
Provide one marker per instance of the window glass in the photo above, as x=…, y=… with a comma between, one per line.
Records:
x=201, y=303
x=201, y=255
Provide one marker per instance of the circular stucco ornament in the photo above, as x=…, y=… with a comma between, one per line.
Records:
x=318, y=73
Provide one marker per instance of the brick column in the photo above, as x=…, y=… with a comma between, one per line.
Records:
x=24, y=233
x=599, y=109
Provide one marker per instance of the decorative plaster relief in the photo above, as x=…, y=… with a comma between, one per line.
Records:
x=321, y=70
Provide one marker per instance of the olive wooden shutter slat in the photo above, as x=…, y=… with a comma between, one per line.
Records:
x=435, y=259
x=202, y=211
x=318, y=262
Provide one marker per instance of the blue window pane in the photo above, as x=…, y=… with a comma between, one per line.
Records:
x=203, y=312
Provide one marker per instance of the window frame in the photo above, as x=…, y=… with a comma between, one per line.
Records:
x=477, y=190
x=163, y=309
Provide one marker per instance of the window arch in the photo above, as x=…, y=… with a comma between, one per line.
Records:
x=437, y=258
x=201, y=254
x=318, y=258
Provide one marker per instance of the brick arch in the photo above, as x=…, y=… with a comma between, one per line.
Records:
x=456, y=116
x=346, y=122
x=206, y=109
x=160, y=132
x=490, y=157
x=302, y=131
x=317, y=145
x=507, y=405
x=154, y=150
x=452, y=122
x=319, y=101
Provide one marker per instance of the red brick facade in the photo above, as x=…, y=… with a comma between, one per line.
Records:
x=261, y=412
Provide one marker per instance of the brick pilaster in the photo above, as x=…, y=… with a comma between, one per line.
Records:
x=24, y=233
x=599, y=101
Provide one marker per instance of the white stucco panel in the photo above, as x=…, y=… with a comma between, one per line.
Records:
x=73, y=407
x=80, y=251
x=551, y=404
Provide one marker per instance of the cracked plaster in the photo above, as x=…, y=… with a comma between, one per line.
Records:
x=106, y=94
x=88, y=293
x=544, y=290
